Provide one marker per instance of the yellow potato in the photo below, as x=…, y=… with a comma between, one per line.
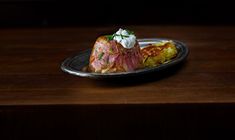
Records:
x=159, y=53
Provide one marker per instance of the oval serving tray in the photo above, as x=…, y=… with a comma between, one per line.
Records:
x=74, y=65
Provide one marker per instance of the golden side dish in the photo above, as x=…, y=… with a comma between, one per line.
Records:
x=159, y=53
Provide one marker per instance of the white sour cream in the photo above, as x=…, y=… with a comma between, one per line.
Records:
x=123, y=37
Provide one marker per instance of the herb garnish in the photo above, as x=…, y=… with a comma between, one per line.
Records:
x=100, y=55
x=130, y=32
x=111, y=50
x=110, y=37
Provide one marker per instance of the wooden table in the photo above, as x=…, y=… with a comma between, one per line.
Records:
x=32, y=84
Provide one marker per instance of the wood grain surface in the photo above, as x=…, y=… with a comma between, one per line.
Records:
x=30, y=71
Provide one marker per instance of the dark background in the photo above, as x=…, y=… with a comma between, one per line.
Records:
x=118, y=122
x=191, y=122
x=47, y=13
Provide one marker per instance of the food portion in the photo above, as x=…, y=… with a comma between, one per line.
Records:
x=158, y=53
x=119, y=52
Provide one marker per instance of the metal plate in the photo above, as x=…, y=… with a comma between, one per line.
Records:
x=73, y=65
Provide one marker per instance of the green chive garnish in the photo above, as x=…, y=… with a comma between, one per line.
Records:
x=100, y=55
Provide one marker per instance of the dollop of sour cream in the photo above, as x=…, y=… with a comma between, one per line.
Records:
x=126, y=39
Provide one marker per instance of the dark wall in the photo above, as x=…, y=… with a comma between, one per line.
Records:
x=106, y=12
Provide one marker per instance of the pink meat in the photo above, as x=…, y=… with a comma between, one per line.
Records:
x=111, y=56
